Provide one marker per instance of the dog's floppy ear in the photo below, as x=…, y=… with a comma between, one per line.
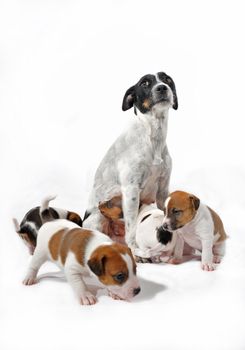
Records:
x=171, y=84
x=173, y=88
x=96, y=264
x=195, y=201
x=129, y=99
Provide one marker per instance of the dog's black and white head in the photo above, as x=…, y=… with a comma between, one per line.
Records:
x=150, y=92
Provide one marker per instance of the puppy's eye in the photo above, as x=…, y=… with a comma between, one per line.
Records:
x=145, y=83
x=119, y=277
x=177, y=212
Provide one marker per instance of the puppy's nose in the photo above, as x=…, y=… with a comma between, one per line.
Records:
x=165, y=226
x=136, y=291
x=161, y=88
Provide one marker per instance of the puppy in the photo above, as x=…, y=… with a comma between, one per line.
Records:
x=81, y=252
x=197, y=225
x=113, y=224
x=34, y=219
x=154, y=243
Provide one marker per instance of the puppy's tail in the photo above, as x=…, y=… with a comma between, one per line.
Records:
x=44, y=211
x=16, y=225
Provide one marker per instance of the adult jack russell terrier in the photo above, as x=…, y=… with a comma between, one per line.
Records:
x=197, y=225
x=81, y=252
x=138, y=164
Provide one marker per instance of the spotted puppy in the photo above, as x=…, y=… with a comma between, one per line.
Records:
x=197, y=225
x=35, y=217
x=81, y=252
x=138, y=165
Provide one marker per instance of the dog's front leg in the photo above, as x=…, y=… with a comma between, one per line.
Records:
x=130, y=196
x=207, y=255
x=163, y=191
x=74, y=277
x=178, y=251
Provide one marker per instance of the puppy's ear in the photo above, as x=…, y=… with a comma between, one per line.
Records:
x=74, y=217
x=129, y=99
x=97, y=264
x=195, y=201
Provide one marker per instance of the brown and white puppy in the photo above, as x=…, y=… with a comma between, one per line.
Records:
x=36, y=217
x=113, y=224
x=80, y=252
x=197, y=225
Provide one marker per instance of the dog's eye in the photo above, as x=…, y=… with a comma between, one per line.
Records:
x=176, y=212
x=119, y=277
x=145, y=83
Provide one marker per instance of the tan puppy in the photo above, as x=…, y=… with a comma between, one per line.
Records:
x=81, y=252
x=112, y=222
x=197, y=225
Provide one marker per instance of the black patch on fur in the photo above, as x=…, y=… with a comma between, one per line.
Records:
x=164, y=236
x=86, y=215
x=145, y=217
x=31, y=233
x=140, y=95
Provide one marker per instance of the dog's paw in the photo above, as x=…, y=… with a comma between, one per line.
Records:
x=29, y=280
x=87, y=299
x=208, y=267
x=139, y=259
x=114, y=296
x=174, y=261
x=217, y=259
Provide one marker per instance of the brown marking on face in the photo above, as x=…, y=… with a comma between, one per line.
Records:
x=146, y=104
x=106, y=262
x=112, y=209
x=74, y=217
x=75, y=240
x=187, y=205
x=218, y=225
x=55, y=243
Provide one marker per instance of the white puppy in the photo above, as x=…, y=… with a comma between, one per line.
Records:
x=83, y=252
x=197, y=225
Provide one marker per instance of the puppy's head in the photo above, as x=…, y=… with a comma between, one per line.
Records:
x=112, y=209
x=180, y=208
x=115, y=267
x=150, y=92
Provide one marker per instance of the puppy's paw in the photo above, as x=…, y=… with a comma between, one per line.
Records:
x=139, y=259
x=208, y=267
x=217, y=259
x=174, y=261
x=29, y=280
x=114, y=296
x=87, y=299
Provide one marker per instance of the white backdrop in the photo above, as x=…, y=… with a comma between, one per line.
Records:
x=64, y=68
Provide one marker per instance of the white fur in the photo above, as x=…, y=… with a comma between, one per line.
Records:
x=72, y=268
x=137, y=165
x=146, y=235
x=199, y=234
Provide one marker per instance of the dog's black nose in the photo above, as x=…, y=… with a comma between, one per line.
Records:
x=161, y=88
x=165, y=226
x=136, y=290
